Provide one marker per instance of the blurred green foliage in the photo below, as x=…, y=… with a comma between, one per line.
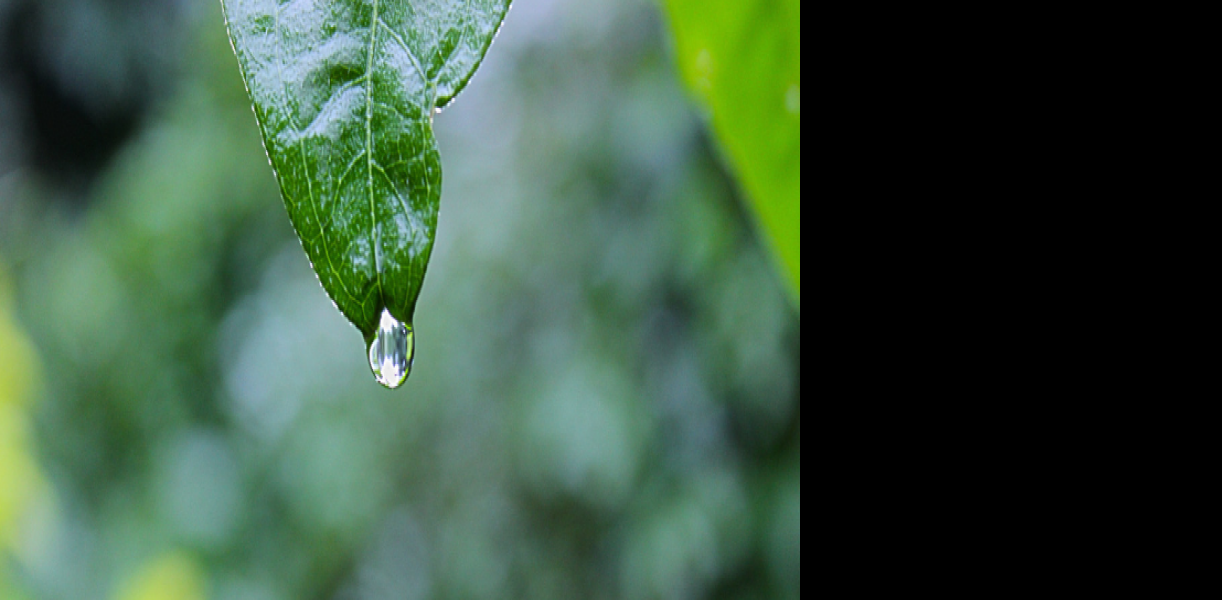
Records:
x=743, y=59
x=605, y=400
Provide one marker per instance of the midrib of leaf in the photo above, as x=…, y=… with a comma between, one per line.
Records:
x=373, y=211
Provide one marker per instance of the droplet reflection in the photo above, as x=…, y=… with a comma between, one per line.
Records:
x=392, y=350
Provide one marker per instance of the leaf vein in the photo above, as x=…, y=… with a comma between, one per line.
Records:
x=410, y=55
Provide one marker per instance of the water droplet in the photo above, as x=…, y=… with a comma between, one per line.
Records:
x=392, y=351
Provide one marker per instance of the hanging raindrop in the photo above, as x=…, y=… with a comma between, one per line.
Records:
x=392, y=351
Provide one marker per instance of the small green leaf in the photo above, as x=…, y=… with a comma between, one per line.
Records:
x=345, y=92
x=742, y=58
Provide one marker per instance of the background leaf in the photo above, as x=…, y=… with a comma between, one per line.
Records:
x=345, y=93
x=742, y=58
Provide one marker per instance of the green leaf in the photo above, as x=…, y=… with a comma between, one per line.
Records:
x=742, y=58
x=345, y=92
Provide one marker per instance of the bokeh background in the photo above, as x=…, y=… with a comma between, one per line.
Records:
x=605, y=399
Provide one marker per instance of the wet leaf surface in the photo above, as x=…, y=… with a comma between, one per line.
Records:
x=344, y=92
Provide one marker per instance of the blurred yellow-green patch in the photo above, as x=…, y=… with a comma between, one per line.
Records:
x=742, y=59
x=20, y=479
x=174, y=576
